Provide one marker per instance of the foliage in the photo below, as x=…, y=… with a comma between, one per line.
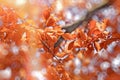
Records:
x=27, y=45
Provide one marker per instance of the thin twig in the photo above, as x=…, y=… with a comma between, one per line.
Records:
x=50, y=51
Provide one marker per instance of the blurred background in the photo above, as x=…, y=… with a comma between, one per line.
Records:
x=94, y=65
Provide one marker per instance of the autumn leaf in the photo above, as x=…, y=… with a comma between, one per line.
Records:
x=102, y=26
x=27, y=44
x=78, y=43
x=92, y=24
x=68, y=36
x=97, y=45
x=46, y=13
x=71, y=45
x=61, y=54
x=81, y=35
x=51, y=21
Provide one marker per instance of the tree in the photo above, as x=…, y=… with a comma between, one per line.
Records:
x=60, y=40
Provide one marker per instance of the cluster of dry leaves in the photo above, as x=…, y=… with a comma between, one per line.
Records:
x=21, y=39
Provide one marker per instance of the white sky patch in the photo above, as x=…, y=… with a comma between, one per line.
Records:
x=38, y=75
x=96, y=1
x=101, y=76
x=59, y=5
x=78, y=64
x=19, y=21
x=116, y=62
x=109, y=12
x=77, y=71
x=15, y=50
x=37, y=54
x=20, y=2
x=109, y=29
x=5, y=74
x=68, y=15
x=111, y=46
x=91, y=68
x=105, y=65
x=76, y=17
x=61, y=22
x=81, y=14
x=84, y=70
x=103, y=53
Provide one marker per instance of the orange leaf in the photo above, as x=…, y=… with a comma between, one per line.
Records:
x=62, y=54
x=97, y=45
x=102, y=26
x=92, y=24
x=46, y=13
x=70, y=57
x=68, y=36
x=96, y=32
x=71, y=45
x=78, y=43
x=51, y=21
x=82, y=35
x=105, y=22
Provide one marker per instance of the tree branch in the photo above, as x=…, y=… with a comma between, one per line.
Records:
x=90, y=13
